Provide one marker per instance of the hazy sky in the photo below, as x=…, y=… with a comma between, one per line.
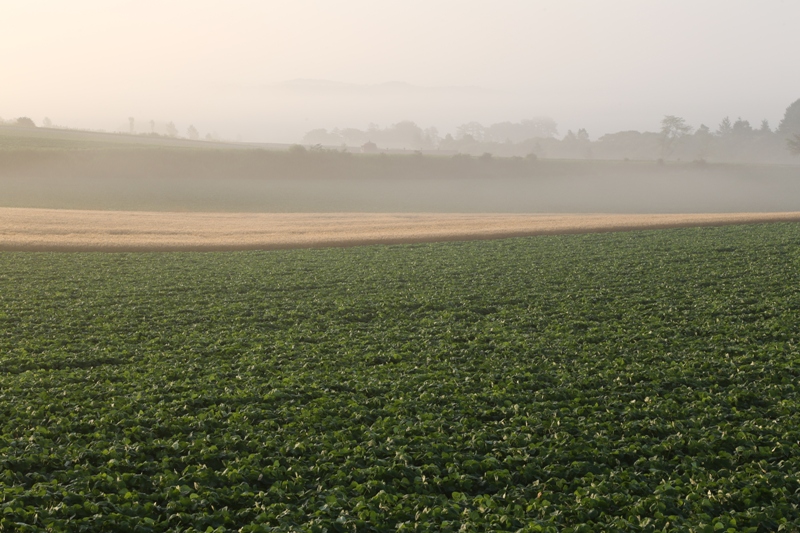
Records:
x=604, y=65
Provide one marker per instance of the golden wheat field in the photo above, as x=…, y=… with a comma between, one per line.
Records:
x=72, y=230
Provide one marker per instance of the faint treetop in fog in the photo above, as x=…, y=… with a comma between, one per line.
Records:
x=432, y=135
x=725, y=127
x=192, y=133
x=25, y=122
x=131, y=124
x=350, y=136
x=791, y=119
x=473, y=130
x=765, y=127
x=702, y=141
x=578, y=144
x=172, y=130
x=703, y=131
x=742, y=127
x=47, y=123
x=672, y=129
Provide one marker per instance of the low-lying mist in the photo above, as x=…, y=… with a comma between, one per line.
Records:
x=304, y=181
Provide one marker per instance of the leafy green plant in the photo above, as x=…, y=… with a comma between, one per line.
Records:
x=621, y=382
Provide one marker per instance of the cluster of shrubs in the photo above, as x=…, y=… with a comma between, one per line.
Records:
x=25, y=122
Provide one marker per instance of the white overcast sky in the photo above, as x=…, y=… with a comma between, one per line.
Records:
x=604, y=65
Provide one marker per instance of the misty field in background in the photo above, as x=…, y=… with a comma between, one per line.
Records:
x=78, y=170
x=597, y=382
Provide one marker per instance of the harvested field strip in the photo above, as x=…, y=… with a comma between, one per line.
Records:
x=23, y=229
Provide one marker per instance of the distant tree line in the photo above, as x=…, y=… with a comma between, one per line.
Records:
x=403, y=135
x=169, y=130
x=407, y=135
x=736, y=140
x=24, y=122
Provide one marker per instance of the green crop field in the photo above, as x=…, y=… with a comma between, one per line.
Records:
x=635, y=381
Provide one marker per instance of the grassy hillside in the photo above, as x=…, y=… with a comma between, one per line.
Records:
x=617, y=382
x=105, y=171
x=21, y=138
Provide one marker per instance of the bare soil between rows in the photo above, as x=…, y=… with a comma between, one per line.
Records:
x=24, y=229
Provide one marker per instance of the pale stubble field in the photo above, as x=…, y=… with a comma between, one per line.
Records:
x=29, y=229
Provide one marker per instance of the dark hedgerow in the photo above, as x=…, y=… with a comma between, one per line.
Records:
x=622, y=382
